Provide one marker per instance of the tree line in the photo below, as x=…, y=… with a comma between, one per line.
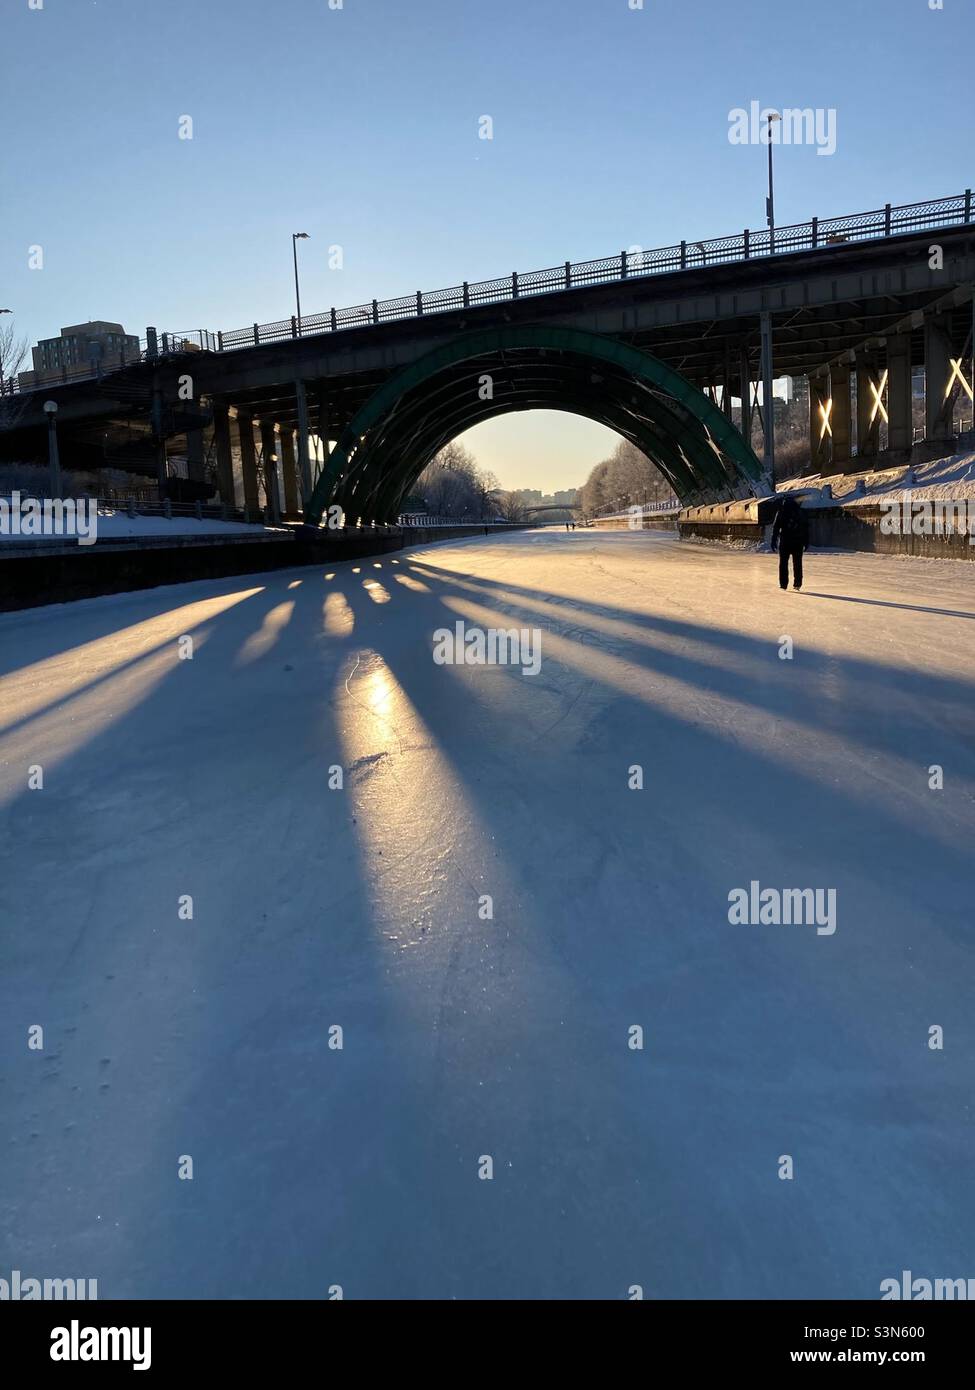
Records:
x=454, y=485
x=626, y=479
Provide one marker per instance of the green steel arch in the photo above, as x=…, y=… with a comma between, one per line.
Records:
x=697, y=447
x=659, y=448
x=680, y=447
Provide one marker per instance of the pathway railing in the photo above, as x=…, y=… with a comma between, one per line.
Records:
x=685, y=255
x=633, y=263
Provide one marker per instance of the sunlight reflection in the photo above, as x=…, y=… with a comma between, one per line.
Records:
x=415, y=584
x=60, y=732
x=59, y=678
x=376, y=591
x=260, y=642
x=413, y=817
x=338, y=615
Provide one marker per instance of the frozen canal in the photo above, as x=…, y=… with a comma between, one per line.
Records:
x=468, y=1036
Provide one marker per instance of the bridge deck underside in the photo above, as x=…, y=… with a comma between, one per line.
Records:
x=702, y=350
x=701, y=322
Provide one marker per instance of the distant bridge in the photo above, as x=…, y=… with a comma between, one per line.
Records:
x=555, y=507
x=651, y=344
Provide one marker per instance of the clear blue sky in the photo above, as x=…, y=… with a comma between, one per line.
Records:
x=359, y=126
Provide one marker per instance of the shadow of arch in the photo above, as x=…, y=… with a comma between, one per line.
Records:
x=480, y=375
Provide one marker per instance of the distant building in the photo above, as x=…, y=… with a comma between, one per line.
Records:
x=531, y=497
x=80, y=351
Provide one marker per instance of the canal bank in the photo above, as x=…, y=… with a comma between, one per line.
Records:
x=35, y=574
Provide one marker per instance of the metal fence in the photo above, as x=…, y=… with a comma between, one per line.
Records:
x=631, y=264
x=636, y=262
x=422, y=519
x=618, y=508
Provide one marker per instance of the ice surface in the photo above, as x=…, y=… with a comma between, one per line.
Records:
x=508, y=1037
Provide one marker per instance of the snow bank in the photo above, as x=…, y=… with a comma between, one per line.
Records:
x=119, y=525
x=943, y=479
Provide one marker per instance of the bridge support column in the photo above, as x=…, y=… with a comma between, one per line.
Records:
x=269, y=457
x=900, y=395
x=768, y=402
x=937, y=371
x=745, y=389
x=195, y=456
x=248, y=464
x=158, y=437
x=289, y=471
x=304, y=459
x=225, y=456
x=820, y=423
x=841, y=415
x=869, y=415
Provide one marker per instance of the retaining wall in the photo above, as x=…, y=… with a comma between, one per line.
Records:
x=41, y=573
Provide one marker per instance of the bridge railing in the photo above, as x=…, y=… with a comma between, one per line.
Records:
x=407, y=519
x=746, y=245
x=622, y=509
x=159, y=345
x=878, y=223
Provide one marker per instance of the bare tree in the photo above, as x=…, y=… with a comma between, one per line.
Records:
x=626, y=479
x=13, y=350
x=510, y=506
x=452, y=484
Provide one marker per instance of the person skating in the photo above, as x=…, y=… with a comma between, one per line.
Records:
x=790, y=535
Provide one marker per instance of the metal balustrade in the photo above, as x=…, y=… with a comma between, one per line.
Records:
x=748, y=245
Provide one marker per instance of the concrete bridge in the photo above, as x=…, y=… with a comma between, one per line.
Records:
x=345, y=408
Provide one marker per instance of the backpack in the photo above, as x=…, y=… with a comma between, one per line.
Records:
x=791, y=522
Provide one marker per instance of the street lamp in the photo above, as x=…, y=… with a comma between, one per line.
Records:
x=3, y=311
x=770, y=204
x=51, y=411
x=295, y=238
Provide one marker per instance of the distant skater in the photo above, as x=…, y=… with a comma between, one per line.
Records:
x=790, y=535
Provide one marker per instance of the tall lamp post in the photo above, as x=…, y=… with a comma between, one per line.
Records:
x=768, y=405
x=770, y=203
x=295, y=238
x=3, y=311
x=51, y=411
